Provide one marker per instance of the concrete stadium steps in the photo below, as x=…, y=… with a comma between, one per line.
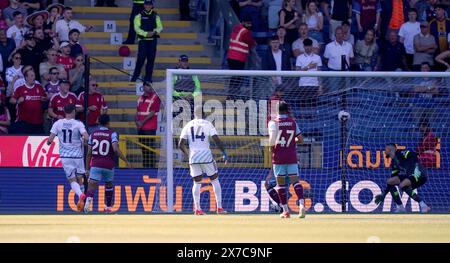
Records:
x=160, y=61
x=189, y=38
x=163, y=50
x=122, y=25
x=121, y=13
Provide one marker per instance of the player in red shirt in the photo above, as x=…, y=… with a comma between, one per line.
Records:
x=148, y=106
x=283, y=134
x=29, y=99
x=59, y=100
x=100, y=161
x=427, y=147
x=96, y=106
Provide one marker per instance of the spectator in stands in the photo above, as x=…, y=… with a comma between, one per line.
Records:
x=30, y=54
x=5, y=118
x=426, y=87
x=394, y=14
x=75, y=47
x=15, y=69
x=64, y=26
x=52, y=61
x=109, y=3
x=444, y=59
x=3, y=24
x=424, y=46
x=341, y=10
x=426, y=9
x=148, y=106
x=273, y=18
x=276, y=59
x=8, y=13
x=7, y=46
x=50, y=3
x=407, y=33
x=348, y=37
x=18, y=30
x=185, y=10
x=427, y=147
x=309, y=86
x=366, y=52
x=338, y=53
x=186, y=87
x=43, y=42
x=4, y=4
x=392, y=54
x=138, y=7
x=297, y=46
x=59, y=100
x=314, y=19
x=29, y=99
x=148, y=27
x=37, y=20
x=252, y=8
x=53, y=85
x=31, y=5
x=76, y=75
x=440, y=28
x=368, y=14
x=96, y=106
x=55, y=13
x=241, y=42
x=288, y=19
x=284, y=45
x=64, y=58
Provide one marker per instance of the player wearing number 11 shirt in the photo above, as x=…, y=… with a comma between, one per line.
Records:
x=100, y=161
x=283, y=134
x=72, y=135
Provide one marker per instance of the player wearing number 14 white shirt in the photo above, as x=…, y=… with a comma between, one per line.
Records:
x=72, y=136
x=197, y=133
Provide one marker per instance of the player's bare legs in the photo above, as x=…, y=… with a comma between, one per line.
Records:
x=196, y=195
x=218, y=193
x=77, y=189
x=406, y=187
x=282, y=194
x=295, y=181
x=270, y=187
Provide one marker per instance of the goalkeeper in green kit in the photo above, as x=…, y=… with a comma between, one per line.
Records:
x=407, y=173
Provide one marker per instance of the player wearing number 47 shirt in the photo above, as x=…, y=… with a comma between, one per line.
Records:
x=197, y=133
x=72, y=135
x=100, y=161
x=283, y=134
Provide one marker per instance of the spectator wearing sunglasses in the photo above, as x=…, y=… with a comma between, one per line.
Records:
x=52, y=87
x=52, y=57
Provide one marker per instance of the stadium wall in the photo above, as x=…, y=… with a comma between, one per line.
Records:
x=46, y=191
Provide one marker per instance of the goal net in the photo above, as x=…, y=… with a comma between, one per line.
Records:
x=346, y=119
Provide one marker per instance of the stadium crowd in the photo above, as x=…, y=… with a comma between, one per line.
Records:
x=40, y=48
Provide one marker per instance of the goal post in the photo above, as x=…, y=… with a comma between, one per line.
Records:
x=346, y=119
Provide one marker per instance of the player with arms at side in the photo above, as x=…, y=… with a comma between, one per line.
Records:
x=72, y=136
x=100, y=161
x=407, y=173
x=196, y=133
x=283, y=134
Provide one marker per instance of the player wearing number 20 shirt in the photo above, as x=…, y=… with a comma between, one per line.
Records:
x=100, y=161
x=283, y=135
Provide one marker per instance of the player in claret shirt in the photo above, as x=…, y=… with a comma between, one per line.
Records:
x=100, y=161
x=283, y=136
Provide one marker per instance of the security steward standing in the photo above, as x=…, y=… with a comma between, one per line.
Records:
x=148, y=26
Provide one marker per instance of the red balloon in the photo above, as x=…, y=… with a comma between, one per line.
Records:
x=124, y=51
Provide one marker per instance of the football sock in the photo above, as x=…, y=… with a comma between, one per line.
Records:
x=283, y=198
x=394, y=192
x=109, y=195
x=413, y=195
x=298, y=190
x=76, y=188
x=274, y=195
x=196, y=195
x=218, y=192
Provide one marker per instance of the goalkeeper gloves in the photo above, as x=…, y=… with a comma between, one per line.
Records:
x=417, y=173
x=379, y=198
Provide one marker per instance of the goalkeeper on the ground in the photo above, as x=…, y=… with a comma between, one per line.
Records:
x=407, y=173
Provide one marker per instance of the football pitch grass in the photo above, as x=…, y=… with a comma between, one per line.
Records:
x=183, y=228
